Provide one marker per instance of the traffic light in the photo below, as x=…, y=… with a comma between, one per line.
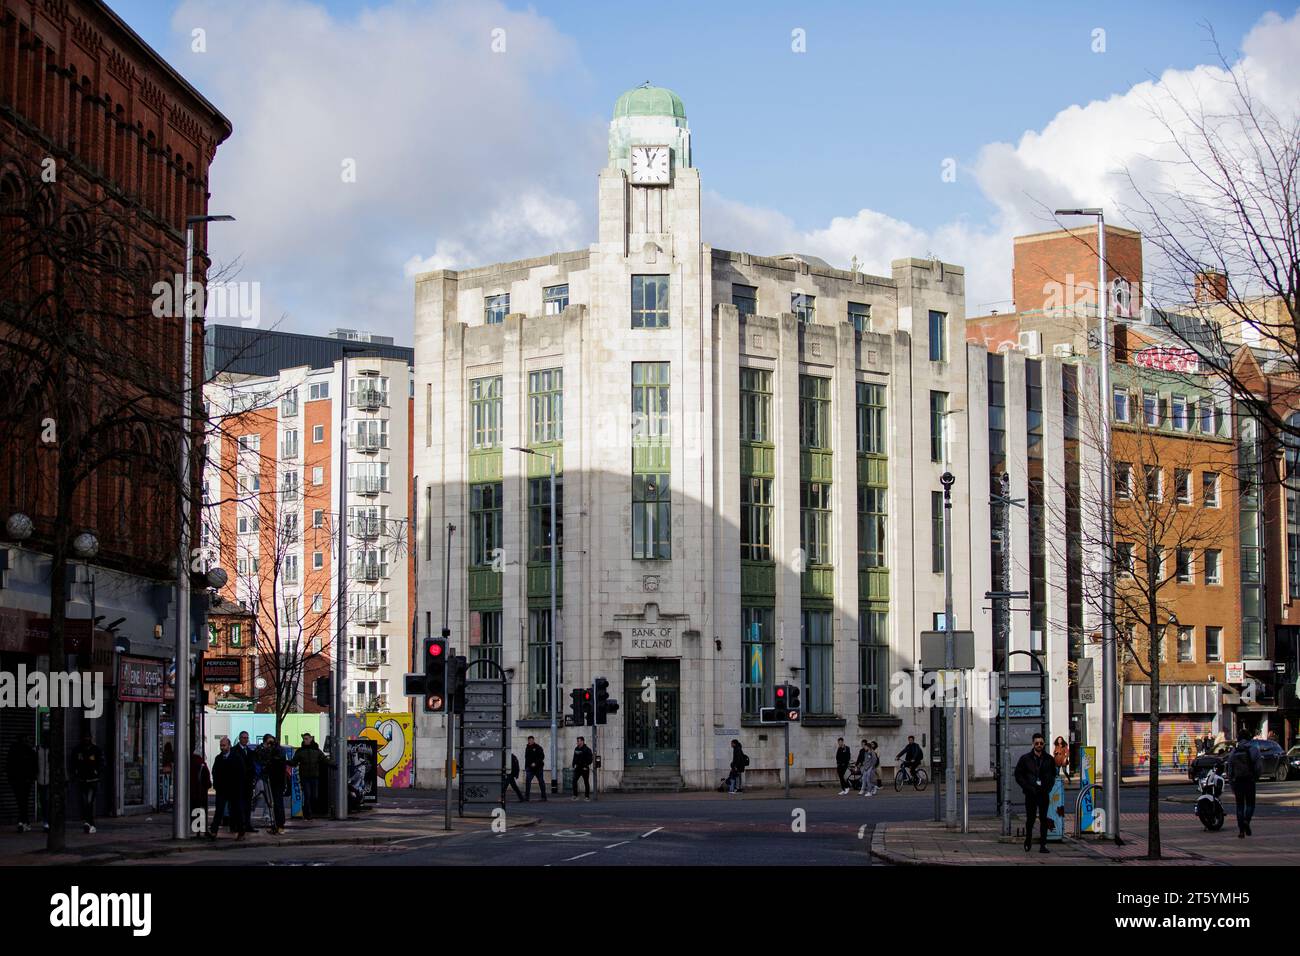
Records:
x=322, y=691
x=604, y=706
x=459, y=668
x=435, y=675
x=576, y=709
x=792, y=707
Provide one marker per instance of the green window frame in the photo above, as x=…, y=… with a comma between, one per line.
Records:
x=650, y=302
x=938, y=426
x=755, y=405
x=650, y=401
x=936, y=532
x=546, y=405
x=814, y=413
x=485, y=523
x=757, y=659
x=872, y=432
x=872, y=505
x=815, y=522
x=485, y=412
x=755, y=519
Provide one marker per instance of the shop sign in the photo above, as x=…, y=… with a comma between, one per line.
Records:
x=141, y=679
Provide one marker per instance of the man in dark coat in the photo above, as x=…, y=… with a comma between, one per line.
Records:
x=739, y=761
x=20, y=766
x=230, y=781
x=512, y=777
x=843, y=757
x=248, y=754
x=311, y=767
x=534, y=766
x=1036, y=772
x=582, y=760
x=87, y=766
x=1243, y=769
x=200, y=784
x=274, y=766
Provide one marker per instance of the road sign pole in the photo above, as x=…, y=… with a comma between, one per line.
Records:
x=950, y=770
x=446, y=673
x=787, y=757
x=595, y=745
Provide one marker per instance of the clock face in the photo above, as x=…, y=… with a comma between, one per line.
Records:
x=651, y=165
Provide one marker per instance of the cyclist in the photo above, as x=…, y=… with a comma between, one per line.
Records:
x=911, y=756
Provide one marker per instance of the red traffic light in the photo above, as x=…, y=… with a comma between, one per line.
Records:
x=780, y=693
x=586, y=695
x=435, y=649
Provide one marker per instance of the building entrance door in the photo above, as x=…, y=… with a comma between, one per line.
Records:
x=653, y=730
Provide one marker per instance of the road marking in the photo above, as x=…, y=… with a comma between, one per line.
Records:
x=612, y=845
x=651, y=832
x=579, y=856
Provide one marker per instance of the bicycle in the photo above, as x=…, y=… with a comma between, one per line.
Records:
x=918, y=778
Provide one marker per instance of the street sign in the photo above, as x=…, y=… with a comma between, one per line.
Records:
x=934, y=655
x=1087, y=682
x=484, y=743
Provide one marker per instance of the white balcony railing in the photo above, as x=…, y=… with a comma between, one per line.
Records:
x=367, y=484
x=368, y=398
x=365, y=528
x=368, y=444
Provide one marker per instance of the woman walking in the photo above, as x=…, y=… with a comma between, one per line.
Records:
x=1061, y=755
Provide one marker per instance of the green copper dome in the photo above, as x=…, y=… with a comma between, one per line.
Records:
x=647, y=100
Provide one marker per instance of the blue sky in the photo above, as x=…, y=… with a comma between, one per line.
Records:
x=787, y=143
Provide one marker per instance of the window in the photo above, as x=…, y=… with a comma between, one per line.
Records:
x=871, y=527
x=818, y=663
x=248, y=524
x=539, y=660
x=650, y=400
x=1186, y=644
x=290, y=569
x=555, y=299
x=368, y=391
x=496, y=308
x=1213, y=566
x=317, y=562
x=1123, y=558
x=318, y=517
x=873, y=662
x=1180, y=412
x=1150, y=409
x=804, y=307
x=485, y=523
x=1123, y=479
x=289, y=447
x=318, y=603
x=1154, y=482
x=368, y=477
x=289, y=403
x=745, y=299
x=871, y=419
x=546, y=405
x=1213, y=644
x=1183, y=485
x=1155, y=565
x=755, y=519
x=1207, y=415
x=814, y=412
x=815, y=522
x=649, y=302
x=860, y=316
x=1210, y=489
x=1221, y=421
x=318, y=390
x=938, y=426
x=318, y=475
x=488, y=645
x=317, y=434
x=250, y=442
x=539, y=518
x=936, y=532
x=485, y=412
x=651, y=514
x=758, y=649
x=1121, y=405
x=938, y=336
x=755, y=405
x=1184, y=565
x=370, y=433
x=290, y=617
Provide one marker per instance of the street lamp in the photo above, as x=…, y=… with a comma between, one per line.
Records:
x=1109, y=656
x=181, y=796
x=554, y=677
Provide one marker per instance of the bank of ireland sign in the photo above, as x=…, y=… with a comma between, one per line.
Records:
x=662, y=639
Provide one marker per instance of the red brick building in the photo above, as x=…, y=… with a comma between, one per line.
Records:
x=95, y=128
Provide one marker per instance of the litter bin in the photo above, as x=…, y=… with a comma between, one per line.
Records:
x=566, y=780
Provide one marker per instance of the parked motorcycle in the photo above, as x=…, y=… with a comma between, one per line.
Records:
x=1209, y=810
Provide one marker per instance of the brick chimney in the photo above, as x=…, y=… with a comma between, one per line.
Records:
x=1211, y=285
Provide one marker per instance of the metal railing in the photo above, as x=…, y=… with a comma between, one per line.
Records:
x=368, y=398
x=367, y=485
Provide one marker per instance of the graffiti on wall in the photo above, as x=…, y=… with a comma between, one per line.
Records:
x=1178, y=740
x=394, y=735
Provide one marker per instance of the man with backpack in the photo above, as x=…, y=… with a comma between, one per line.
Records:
x=739, y=761
x=1243, y=768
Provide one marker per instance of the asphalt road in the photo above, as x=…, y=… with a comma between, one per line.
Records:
x=816, y=827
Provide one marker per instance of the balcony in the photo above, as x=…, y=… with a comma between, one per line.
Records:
x=369, y=399
x=288, y=452
x=366, y=572
x=368, y=485
x=368, y=444
x=291, y=495
x=369, y=660
x=367, y=529
x=371, y=613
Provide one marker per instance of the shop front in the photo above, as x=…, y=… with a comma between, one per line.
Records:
x=1188, y=714
x=141, y=696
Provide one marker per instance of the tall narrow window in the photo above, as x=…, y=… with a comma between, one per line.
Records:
x=936, y=532
x=540, y=670
x=755, y=518
x=649, y=302
x=488, y=646
x=871, y=526
x=485, y=412
x=650, y=418
x=871, y=419
x=539, y=518
x=1121, y=404
x=546, y=405
x=873, y=661
x=938, y=336
x=485, y=523
x=755, y=405
x=818, y=663
x=815, y=522
x=939, y=426
x=758, y=651
x=804, y=307
x=814, y=412
x=651, y=517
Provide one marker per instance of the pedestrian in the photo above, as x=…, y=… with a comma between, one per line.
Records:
x=1036, y=772
x=582, y=760
x=43, y=782
x=870, y=758
x=739, y=761
x=274, y=768
x=310, y=763
x=166, y=763
x=200, y=784
x=245, y=752
x=512, y=777
x=534, y=765
x=843, y=757
x=1061, y=755
x=229, y=780
x=21, y=766
x=1243, y=769
x=87, y=766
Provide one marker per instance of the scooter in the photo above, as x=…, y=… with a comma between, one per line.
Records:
x=1208, y=808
